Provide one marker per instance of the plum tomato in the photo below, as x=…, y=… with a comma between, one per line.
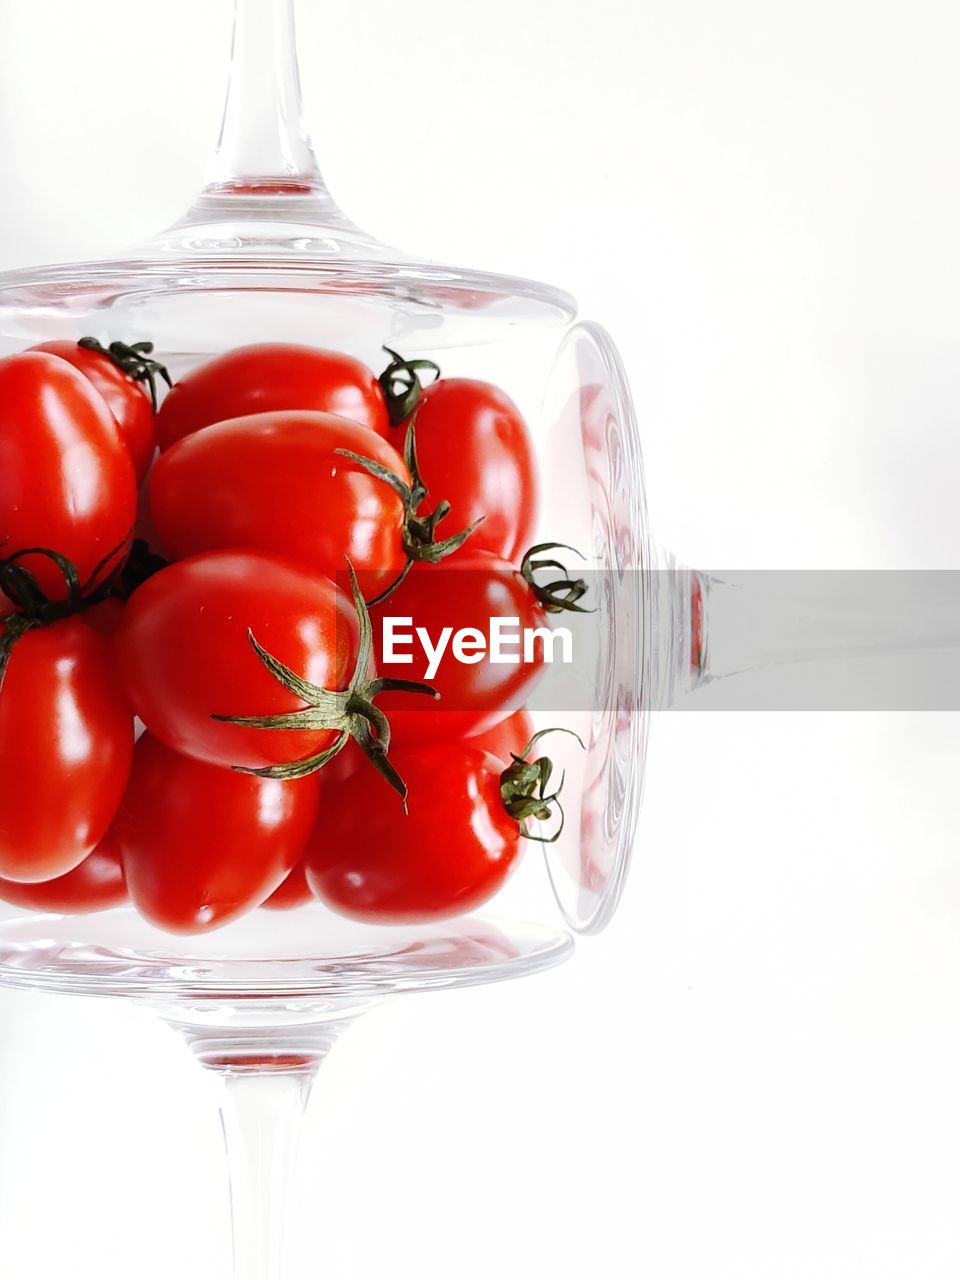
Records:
x=271, y=376
x=468, y=591
x=96, y=884
x=186, y=656
x=450, y=852
x=475, y=451
x=276, y=482
x=200, y=844
x=66, y=739
x=67, y=482
x=126, y=378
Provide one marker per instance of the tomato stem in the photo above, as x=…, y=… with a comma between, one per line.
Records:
x=135, y=361
x=401, y=385
x=419, y=536
x=523, y=789
x=561, y=594
x=351, y=711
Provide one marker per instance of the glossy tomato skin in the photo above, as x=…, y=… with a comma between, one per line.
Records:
x=185, y=655
x=475, y=451
x=66, y=479
x=466, y=590
x=201, y=845
x=126, y=398
x=66, y=738
x=95, y=885
x=507, y=739
x=271, y=376
x=451, y=852
x=275, y=482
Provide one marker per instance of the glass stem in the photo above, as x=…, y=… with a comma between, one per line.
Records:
x=264, y=145
x=709, y=628
x=265, y=1061
x=262, y=1113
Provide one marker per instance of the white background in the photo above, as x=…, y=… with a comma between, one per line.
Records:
x=753, y=1074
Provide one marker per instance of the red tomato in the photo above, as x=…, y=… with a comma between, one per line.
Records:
x=507, y=739
x=468, y=590
x=127, y=399
x=449, y=853
x=96, y=884
x=186, y=657
x=474, y=451
x=294, y=892
x=66, y=480
x=201, y=845
x=274, y=482
x=66, y=737
x=271, y=376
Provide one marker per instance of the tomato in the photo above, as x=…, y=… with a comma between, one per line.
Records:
x=294, y=892
x=66, y=738
x=185, y=654
x=450, y=852
x=275, y=482
x=474, y=451
x=468, y=590
x=66, y=480
x=271, y=376
x=96, y=884
x=200, y=844
x=507, y=739
x=127, y=399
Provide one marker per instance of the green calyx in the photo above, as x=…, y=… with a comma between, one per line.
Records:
x=351, y=713
x=33, y=605
x=419, y=536
x=401, y=385
x=560, y=594
x=133, y=360
x=524, y=789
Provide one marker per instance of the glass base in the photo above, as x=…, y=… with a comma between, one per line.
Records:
x=309, y=955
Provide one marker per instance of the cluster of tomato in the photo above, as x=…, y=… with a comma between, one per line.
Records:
x=212, y=566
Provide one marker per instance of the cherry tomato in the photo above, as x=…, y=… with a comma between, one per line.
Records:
x=274, y=482
x=450, y=852
x=200, y=844
x=468, y=590
x=474, y=451
x=127, y=399
x=507, y=739
x=66, y=738
x=96, y=884
x=66, y=480
x=185, y=654
x=271, y=376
